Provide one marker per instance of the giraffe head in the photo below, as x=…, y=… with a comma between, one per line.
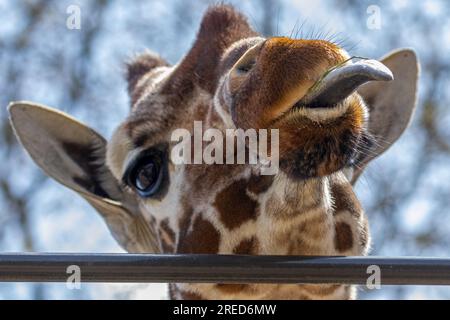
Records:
x=329, y=116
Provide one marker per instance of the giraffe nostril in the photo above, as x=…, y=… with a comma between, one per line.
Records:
x=248, y=60
x=246, y=66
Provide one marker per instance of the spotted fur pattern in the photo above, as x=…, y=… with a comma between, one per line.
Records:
x=309, y=208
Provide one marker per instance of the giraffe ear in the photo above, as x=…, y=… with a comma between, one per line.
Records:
x=391, y=104
x=140, y=66
x=74, y=155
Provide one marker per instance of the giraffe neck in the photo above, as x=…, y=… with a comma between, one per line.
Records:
x=235, y=210
x=297, y=218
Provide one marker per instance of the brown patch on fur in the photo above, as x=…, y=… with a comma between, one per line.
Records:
x=247, y=246
x=345, y=199
x=186, y=295
x=260, y=184
x=167, y=237
x=343, y=240
x=235, y=206
x=203, y=239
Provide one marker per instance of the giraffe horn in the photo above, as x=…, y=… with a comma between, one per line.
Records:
x=343, y=80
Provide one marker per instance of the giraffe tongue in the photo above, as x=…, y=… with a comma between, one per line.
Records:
x=342, y=81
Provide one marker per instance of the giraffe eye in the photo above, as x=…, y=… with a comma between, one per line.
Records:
x=146, y=175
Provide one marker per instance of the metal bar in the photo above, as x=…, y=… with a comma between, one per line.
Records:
x=148, y=268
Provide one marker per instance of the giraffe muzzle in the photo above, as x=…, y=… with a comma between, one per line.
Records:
x=341, y=81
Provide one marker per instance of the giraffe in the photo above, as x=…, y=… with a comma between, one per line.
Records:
x=333, y=115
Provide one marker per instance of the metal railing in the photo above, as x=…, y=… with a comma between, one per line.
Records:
x=148, y=268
